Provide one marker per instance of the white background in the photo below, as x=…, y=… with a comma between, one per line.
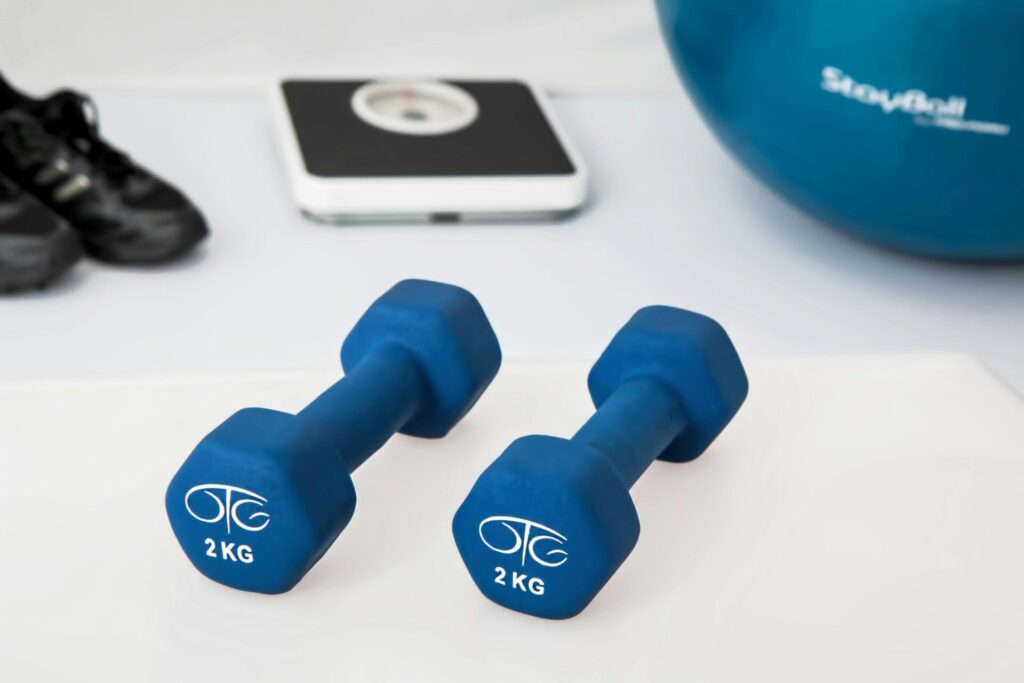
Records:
x=568, y=45
x=671, y=218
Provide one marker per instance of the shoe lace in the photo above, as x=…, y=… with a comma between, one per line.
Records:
x=74, y=117
x=27, y=141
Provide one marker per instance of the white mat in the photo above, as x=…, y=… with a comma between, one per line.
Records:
x=861, y=520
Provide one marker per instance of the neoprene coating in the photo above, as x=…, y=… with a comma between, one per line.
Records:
x=266, y=493
x=549, y=522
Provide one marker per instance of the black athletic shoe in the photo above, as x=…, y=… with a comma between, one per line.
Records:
x=52, y=148
x=36, y=245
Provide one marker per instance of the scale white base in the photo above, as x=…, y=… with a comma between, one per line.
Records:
x=860, y=520
x=438, y=199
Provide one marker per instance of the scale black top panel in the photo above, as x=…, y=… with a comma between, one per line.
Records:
x=510, y=137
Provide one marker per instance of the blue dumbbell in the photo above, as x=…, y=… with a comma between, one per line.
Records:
x=549, y=522
x=264, y=495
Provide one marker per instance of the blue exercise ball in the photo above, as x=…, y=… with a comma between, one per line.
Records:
x=899, y=121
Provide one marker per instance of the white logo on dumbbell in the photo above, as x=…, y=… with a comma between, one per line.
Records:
x=229, y=500
x=525, y=539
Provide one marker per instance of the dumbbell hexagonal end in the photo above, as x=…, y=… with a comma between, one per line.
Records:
x=259, y=500
x=545, y=526
x=447, y=330
x=691, y=354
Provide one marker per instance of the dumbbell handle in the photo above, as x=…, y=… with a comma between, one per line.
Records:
x=633, y=426
x=373, y=401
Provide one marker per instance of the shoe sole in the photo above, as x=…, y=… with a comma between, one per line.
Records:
x=65, y=252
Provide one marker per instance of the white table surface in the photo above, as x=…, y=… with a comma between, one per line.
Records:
x=858, y=521
x=671, y=220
